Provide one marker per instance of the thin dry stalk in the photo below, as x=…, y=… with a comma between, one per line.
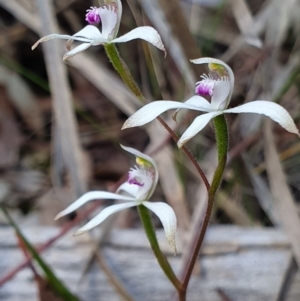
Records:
x=281, y=192
x=62, y=102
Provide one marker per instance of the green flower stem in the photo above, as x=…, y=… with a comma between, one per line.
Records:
x=221, y=133
x=222, y=145
x=122, y=69
x=162, y=260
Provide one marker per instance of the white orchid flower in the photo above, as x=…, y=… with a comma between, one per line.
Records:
x=110, y=17
x=142, y=180
x=220, y=87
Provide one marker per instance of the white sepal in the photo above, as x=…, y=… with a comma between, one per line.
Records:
x=168, y=219
x=58, y=36
x=103, y=215
x=90, y=196
x=151, y=110
x=145, y=33
x=197, y=125
x=270, y=109
x=76, y=50
x=139, y=154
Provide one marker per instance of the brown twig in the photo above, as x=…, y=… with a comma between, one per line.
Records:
x=65, y=126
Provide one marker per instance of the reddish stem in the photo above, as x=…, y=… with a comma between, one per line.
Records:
x=187, y=152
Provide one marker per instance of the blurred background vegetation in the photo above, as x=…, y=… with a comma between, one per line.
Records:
x=41, y=172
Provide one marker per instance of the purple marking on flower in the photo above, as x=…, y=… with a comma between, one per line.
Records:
x=205, y=86
x=133, y=175
x=92, y=15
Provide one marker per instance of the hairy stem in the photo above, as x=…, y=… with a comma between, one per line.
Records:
x=222, y=137
x=122, y=69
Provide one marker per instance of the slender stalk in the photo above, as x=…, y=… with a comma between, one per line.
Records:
x=161, y=258
x=222, y=138
x=222, y=144
x=122, y=69
x=126, y=76
x=187, y=152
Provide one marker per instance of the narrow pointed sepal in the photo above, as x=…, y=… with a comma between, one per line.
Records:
x=139, y=154
x=168, y=219
x=146, y=33
x=90, y=196
x=150, y=111
x=56, y=36
x=197, y=125
x=76, y=50
x=103, y=215
x=270, y=109
x=212, y=61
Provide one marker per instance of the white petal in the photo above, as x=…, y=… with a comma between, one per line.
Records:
x=168, y=219
x=197, y=125
x=208, y=60
x=109, y=20
x=104, y=214
x=199, y=102
x=128, y=188
x=90, y=196
x=89, y=32
x=146, y=33
x=76, y=50
x=270, y=109
x=139, y=154
x=58, y=36
x=221, y=91
x=150, y=111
